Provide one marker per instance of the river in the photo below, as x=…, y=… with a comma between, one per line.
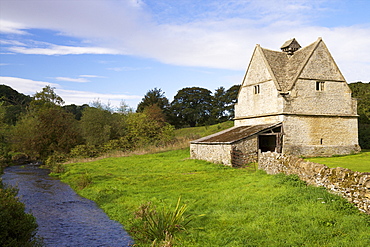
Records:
x=64, y=218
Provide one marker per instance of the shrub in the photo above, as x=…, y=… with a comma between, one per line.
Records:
x=16, y=227
x=84, y=180
x=85, y=151
x=159, y=226
x=53, y=162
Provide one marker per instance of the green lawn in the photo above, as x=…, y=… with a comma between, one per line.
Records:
x=241, y=207
x=357, y=162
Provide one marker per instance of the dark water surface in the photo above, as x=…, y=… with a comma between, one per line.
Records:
x=64, y=218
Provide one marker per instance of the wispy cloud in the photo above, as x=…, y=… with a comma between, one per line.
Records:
x=62, y=50
x=118, y=69
x=30, y=87
x=82, y=80
x=12, y=27
x=92, y=76
x=216, y=34
x=25, y=86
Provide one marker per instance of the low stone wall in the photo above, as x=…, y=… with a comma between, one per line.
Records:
x=354, y=186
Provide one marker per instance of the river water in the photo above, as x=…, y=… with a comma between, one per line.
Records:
x=64, y=218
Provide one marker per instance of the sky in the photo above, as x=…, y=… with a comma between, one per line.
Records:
x=115, y=51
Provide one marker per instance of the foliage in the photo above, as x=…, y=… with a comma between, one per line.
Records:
x=145, y=128
x=159, y=225
x=14, y=104
x=241, y=207
x=153, y=97
x=44, y=131
x=47, y=97
x=75, y=110
x=191, y=107
x=223, y=103
x=361, y=91
x=356, y=162
x=17, y=228
x=99, y=126
x=85, y=151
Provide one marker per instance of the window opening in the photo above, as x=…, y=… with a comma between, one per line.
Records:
x=257, y=89
x=320, y=86
x=321, y=141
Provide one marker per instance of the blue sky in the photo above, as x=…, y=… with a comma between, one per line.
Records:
x=114, y=50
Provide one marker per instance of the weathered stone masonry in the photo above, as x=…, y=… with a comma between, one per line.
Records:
x=354, y=186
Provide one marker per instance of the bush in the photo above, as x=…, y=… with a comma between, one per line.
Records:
x=54, y=162
x=16, y=227
x=85, y=151
x=159, y=226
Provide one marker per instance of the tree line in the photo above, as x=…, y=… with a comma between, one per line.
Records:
x=40, y=127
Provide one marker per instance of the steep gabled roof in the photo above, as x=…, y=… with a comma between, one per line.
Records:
x=286, y=68
x=235, y=134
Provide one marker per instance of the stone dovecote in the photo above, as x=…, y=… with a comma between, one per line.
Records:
x=300, y=89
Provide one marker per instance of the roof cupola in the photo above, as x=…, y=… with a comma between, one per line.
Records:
x=290, y=46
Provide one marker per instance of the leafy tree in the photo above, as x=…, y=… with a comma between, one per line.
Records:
x=147, y=128
x=75, y=110
x=45, y=131
x=231, y=98
x=361, y=91
x=14, y=103
x=191, y=107
x=47, y=97
x=153, y=97
x=46, y=128
x=99, y=126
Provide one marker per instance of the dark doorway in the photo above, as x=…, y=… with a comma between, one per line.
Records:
x=267, y=143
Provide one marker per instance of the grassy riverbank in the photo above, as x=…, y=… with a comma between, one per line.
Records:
x=240, y=207
x=357, y=162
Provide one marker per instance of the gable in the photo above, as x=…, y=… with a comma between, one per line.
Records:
x=257, y=70
x=321, y=66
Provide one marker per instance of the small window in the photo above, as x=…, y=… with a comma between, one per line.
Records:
x=320, y=86
x=321, y=141
x=257, y=89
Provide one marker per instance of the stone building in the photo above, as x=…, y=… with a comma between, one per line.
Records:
x=295, y=101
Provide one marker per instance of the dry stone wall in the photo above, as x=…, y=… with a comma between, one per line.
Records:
x=354, y=186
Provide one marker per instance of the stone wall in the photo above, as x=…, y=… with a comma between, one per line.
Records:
x=320, y=135
x=354, y=186
x=235, y=154
x=216, y=153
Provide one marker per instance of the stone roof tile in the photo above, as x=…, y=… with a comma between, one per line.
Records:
x=234, y=134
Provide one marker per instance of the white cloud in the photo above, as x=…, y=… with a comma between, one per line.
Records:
x=25, y=86
x=30, y=87
x=217, y=34
x=12, y=27
x=92, y=76
x=62, y=50
x=119, y=69
x=82, y=80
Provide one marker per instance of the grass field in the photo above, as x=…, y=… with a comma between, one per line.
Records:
x=240, y=207
x=357, y=162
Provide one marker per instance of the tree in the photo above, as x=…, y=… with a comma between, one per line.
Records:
x=231, y=98
x=75, y=110
x=153, y=97
x=218, y=106
x=14, y=104
x=99, y=126
x=191, y=107
x=46, y=128
x=45, y=131
x=361, y=91
x=47, y=97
